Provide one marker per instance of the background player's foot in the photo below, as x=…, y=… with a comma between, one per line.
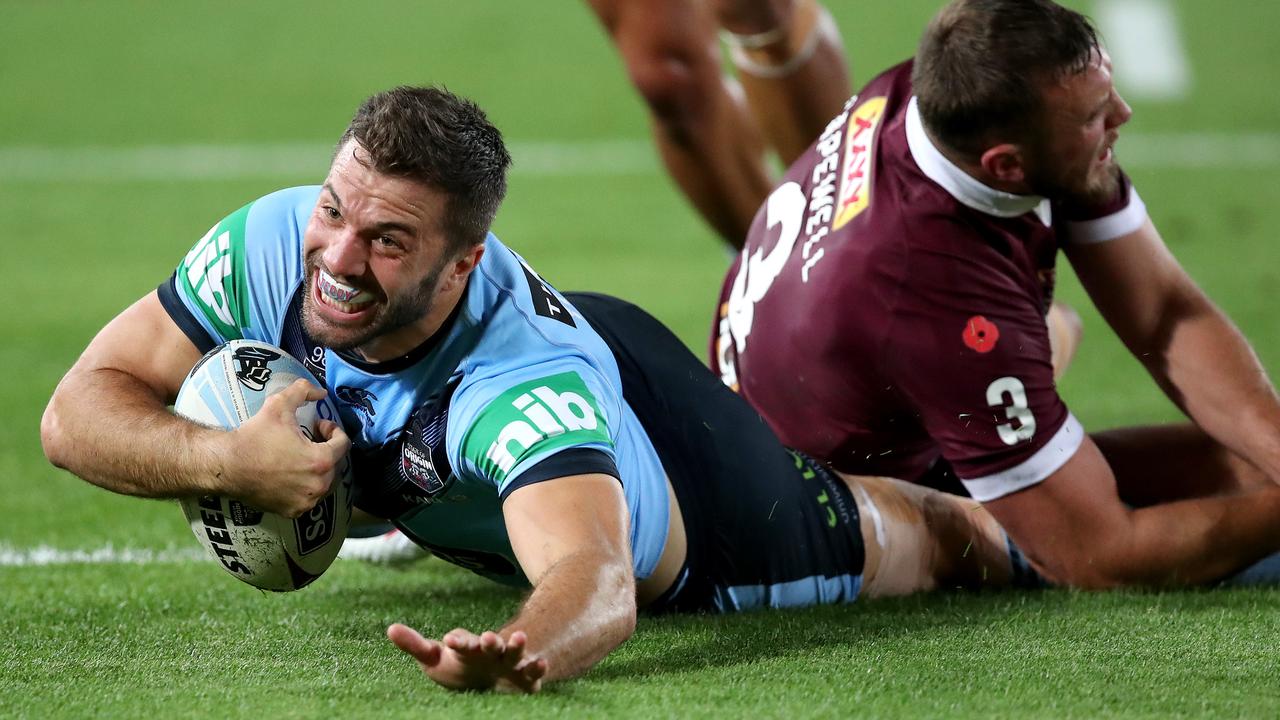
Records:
x=389, y=548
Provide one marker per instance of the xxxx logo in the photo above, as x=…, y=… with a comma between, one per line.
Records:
x=532, y=418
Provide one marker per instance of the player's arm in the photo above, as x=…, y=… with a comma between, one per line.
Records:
x=571, y=538
x=1199, y=358
x=1075, y=529
x=108, y=423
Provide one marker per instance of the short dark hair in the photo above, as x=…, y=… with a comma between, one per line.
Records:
x=430, y=135
x=981, y=66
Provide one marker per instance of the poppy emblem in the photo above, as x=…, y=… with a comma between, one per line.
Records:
x=980, y=334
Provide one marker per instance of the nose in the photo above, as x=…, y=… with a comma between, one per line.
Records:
x=1120, y=112
x=346, y=255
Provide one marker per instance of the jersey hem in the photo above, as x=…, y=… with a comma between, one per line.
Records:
x=1117, y=224
x=182, y=317
x=574, y=461
x=1045, y=462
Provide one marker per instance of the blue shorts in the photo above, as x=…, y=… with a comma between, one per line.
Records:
x=766, y=527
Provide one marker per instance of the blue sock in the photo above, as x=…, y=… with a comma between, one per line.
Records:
x=1024, y=576
x=1264, y=572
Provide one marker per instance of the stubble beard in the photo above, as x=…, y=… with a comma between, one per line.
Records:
x=391, y=313
x=1097, y=188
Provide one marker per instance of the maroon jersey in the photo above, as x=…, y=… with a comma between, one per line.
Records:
x=888, y=309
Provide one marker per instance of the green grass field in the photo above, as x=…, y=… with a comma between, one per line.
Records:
x=97, y=205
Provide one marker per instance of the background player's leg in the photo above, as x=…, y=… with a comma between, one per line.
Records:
x=707, y=139
x=1162, y=463
x=919, y=539
x=1065, y=331
x=791, y=63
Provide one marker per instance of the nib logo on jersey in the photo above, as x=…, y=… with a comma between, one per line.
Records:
x=533, y=419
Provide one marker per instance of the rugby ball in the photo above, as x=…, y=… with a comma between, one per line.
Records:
x=266, y=550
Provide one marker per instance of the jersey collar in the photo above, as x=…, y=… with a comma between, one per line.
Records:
x=962, y=186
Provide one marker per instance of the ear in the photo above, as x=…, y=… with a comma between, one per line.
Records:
x=458, y=271
x=1004, y=163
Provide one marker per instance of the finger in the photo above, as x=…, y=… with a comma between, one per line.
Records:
x=294, y=394
x=492, y=643
x=335, y=439
x=462, y=640
x=528, y=675
x=412, y=643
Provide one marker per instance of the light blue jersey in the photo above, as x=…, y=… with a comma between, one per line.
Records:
x=515, y=388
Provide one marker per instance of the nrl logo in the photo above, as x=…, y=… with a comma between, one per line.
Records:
x=251, y=366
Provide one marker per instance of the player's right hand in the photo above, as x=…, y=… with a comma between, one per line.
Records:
x=269, y=463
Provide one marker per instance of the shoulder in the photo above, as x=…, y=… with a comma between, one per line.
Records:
x=237, y=278
x=506, y=422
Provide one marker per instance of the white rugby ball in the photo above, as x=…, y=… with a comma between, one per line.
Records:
x=266, y=550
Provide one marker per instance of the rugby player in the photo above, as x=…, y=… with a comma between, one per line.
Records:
x=887, y=313
x=791, y=70
x=568, y=443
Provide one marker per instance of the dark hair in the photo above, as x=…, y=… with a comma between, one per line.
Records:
x=430, y=135
x=981, y=65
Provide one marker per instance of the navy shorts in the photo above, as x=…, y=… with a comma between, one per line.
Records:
x=766, y=527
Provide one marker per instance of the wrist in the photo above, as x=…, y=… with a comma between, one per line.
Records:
x=216, y=469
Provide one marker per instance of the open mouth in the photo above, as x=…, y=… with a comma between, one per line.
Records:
x=340, y=296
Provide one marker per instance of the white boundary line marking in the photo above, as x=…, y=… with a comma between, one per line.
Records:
x=307, y=162
x=44, y=555
x=1146, y=45
x=200, y=162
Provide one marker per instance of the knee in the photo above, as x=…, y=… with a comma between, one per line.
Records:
x=674, y=83
x=753, y=17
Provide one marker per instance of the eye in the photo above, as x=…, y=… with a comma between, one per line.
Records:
x=331, y=212
x=389, y=242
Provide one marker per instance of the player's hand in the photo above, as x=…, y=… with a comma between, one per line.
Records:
x=269, y=462
x=463, y=660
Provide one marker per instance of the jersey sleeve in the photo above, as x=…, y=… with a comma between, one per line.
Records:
x=549, y=420
x=237, y=280
x=969, y=350
x=1122, y=214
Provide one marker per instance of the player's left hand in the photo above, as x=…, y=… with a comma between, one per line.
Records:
x=462, y=660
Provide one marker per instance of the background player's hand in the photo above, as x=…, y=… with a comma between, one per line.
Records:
x=463, y=660
x=272, y=465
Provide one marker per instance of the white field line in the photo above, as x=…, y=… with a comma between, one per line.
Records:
x=198, y=162
x=1146, y=47
x=307, y=162
x=43, y=555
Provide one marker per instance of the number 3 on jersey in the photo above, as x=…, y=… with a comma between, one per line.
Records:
x=756, y=274
x=1010, y=394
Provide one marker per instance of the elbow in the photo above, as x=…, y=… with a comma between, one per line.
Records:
x=627, y=609
x=53, y=435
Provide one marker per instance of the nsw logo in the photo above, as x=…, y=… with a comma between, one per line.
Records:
x=545, y=414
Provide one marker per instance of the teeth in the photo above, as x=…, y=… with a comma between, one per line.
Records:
x=340, y=295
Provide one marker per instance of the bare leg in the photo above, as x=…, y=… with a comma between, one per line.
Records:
x=1164, y=463
x=791, y=63
x=918, y=539
x=709, y=143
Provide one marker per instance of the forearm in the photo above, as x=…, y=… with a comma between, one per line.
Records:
x=1207, y=367
x=1192, y=542
x=580, y=610
x=112, y=430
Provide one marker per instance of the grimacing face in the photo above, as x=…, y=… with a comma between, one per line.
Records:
x=1074, y=158
x=374, y=252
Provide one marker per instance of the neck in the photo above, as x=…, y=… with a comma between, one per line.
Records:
x=402, y=341
x=974, y=169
